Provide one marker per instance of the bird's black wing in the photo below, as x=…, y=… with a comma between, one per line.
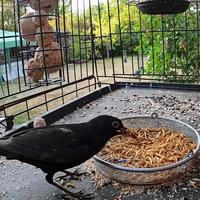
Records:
x=51, y=144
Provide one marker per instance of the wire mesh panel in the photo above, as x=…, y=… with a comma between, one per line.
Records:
x=46, y=57
x=150, y=47
x=54, y=51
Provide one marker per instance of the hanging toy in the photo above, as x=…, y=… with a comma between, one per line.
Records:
x=50, y=57
x=27, y=27
x=34, y=71
x=30, y=22
x=40, y=18
x=44, y=35
x=47, y=5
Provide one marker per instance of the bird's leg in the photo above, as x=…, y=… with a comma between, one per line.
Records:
x=75, y=173
x=71, y=175
x=77, y=195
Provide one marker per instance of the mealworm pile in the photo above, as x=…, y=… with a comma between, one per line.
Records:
x=148, y=147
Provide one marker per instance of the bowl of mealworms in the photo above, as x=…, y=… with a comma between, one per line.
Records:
x=154, y=150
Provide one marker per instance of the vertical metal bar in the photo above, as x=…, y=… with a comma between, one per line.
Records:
x=174, y=35
x=16, y=44
x=46, y=102
x=198, y=43
x=60, y=39
x=79, y=39
x=65, y=49
x=120, y=35
x=163, y=45
x=27, y=110
x=141, y=41
x=73, y=47
x=85, y=39
x=21, y=44
x=138, y=61
x=152, y=42
x=42, y=47
x=4, y=44
x=58, y=31
x=94, y=64
x=89, y=88
x=186, y=37
x=131, y=39
x=111, y=43
x=101, y=38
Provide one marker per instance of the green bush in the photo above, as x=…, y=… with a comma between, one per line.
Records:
x=79, y=51
x=173, y=47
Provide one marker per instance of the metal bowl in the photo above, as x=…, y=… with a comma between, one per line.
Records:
x=160, y=7
x=155, y=175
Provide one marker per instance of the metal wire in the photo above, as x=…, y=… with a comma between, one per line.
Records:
x=108, y=42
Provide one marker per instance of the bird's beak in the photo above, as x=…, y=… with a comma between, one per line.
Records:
x=122, y=131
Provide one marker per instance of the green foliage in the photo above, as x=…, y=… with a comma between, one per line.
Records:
x=172, y=52
x=170, y=42
x=119, y=23
x=83, y=22
x=80, y=50
x=20, y=119
x=7, y=20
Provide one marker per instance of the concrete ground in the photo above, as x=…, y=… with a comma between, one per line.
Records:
x=23, y=182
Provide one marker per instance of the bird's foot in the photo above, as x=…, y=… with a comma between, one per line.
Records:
x=77, y=195
x=77, y=173
x=72, y=175
x=68, y=178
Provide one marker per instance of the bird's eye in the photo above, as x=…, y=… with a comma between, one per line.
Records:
x=115, y=124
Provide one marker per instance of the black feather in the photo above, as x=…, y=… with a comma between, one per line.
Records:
x=58, y=147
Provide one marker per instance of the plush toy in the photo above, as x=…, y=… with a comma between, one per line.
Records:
x=30, y=22
x=34, y=70
x=47, y=5
x=50, y=57
x=40, y=18
x=27, y=27
x=44, y=35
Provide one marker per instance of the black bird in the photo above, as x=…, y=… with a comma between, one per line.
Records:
x=59, y=147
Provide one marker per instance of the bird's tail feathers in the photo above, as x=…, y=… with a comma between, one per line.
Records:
x=3, y=151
